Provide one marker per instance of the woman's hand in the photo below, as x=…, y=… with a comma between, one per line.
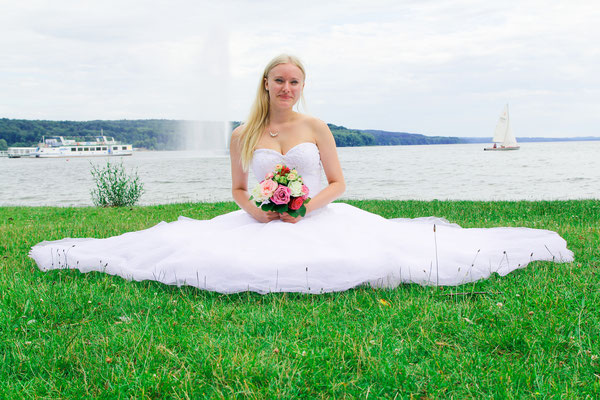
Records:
x=285, y=217
x=265, y=216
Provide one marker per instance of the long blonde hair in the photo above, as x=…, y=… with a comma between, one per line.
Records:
x=259, y=113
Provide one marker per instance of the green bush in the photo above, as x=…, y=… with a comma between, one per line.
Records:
x=114, y=187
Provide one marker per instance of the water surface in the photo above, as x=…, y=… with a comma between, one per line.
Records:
x=538, y=171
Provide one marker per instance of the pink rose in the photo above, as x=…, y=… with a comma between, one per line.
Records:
x=296, y=203
x=267, y=188
x=305, y=192
x=281, y=195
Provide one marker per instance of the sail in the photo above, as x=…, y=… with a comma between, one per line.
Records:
x=509, y=137
x=502, y=127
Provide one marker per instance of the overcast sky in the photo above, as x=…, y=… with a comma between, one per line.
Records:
x=437, y=67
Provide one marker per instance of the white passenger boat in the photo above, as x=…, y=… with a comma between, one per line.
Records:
x=18, y=152
x=102, y=146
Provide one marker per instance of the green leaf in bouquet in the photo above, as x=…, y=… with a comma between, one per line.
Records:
x=267, y=206
x=293, y=213
x=302, y=209
x=280, y=208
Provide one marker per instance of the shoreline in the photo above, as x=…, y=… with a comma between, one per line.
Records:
x=342, y=200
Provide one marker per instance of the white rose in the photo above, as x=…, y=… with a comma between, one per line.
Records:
x=257, y=194
x=296, y=188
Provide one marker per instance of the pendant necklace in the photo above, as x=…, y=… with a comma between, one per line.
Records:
x=274, y=134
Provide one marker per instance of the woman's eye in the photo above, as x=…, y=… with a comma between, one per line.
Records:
x=278, y=80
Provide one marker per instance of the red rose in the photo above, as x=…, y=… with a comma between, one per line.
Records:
x=296, y=203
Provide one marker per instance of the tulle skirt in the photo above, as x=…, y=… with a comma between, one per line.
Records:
x=333, y=249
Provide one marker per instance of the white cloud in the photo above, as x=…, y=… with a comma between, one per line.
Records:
x=436, y=67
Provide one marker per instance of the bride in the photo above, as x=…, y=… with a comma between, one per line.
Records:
x=334, y=247
x=274, y=127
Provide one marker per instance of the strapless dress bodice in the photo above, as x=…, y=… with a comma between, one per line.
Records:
x=304, y=157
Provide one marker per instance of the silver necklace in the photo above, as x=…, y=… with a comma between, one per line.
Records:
x=273, y=134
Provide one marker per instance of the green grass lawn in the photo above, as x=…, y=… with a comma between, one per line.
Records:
x=532, y=334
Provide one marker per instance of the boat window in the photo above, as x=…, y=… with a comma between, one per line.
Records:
x=115, y=148
x=124, y=147
x=86, y=148
x=98, y=148
x=73, y=149
x=79, y=149
x=104, y=148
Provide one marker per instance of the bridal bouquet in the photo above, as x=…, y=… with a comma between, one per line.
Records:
x=282, y=190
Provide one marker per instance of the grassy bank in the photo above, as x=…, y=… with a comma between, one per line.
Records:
x=532, y=334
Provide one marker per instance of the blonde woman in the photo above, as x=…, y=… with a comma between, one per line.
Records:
x=334, y=247
x=274, y=125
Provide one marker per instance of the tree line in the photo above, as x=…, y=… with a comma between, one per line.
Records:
x=353, y=137
x=152, y=134
x=163, y=134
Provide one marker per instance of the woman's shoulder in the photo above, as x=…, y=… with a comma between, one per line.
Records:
x=236, y=137
x=237, y=132
x=315, y=124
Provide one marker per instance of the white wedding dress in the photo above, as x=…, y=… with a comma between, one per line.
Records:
x=335, y=248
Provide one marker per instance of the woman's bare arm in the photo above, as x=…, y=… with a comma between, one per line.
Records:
x=333, y=171
x=239, y=182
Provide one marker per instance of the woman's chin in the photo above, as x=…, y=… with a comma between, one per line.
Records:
x=285, y=104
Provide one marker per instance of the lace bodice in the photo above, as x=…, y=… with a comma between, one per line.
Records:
x=304, y=157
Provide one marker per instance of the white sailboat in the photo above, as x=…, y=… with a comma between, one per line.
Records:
x=503, y=136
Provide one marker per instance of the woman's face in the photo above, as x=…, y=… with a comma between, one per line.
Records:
x=284, y=84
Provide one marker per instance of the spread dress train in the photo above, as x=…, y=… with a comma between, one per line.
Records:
x=334, y=248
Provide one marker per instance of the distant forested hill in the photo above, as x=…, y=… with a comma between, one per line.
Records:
x=162, y=134
x=385, y=138
x=155, y=134
x=345, y=137
x=353, y=137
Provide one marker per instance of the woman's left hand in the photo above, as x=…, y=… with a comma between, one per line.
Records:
x=285, y=217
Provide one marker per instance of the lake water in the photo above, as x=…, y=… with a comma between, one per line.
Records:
x=538, y=171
